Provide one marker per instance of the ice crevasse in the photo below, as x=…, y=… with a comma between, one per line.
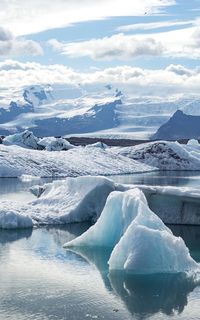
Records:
x=140, y=241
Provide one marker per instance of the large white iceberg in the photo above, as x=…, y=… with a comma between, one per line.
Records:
x=164, y=155
x=16, y=161
x=141, y=242
x=72, y=200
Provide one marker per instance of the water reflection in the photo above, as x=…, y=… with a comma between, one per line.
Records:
x=146, y=295
x=41, y=280
x=143, y=295
x=7, y=236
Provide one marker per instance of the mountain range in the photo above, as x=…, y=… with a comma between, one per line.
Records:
x=101, y=111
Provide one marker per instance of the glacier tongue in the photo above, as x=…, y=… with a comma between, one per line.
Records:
x=141, y=242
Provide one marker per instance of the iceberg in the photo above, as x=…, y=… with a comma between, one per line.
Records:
x=174, y=205
x=98, y=144
x=61, y=202
x=12, y=220
x=24, y=139
x=55, y=144
x=163, y=155
x=193, y=142
x=72, y=200
x=141, y=243
x=16, y=161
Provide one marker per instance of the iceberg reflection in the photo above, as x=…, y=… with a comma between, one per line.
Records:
x=143, y=295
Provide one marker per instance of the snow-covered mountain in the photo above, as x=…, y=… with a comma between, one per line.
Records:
x=90, y=110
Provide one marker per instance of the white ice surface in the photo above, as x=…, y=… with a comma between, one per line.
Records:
x=164, y=155
x=24, y=139
x=141, y=242
x=16, y=161
x=68, y=201
x=55, y=144
x=10, y=219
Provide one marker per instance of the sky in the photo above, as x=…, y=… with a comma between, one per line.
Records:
x=148, y=45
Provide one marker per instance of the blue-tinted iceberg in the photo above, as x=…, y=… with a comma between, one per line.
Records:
x=141, y=242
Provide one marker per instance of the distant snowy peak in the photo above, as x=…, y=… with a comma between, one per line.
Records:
x=38, y=95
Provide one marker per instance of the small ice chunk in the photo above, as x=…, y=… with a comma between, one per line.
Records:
x=193, y=142
x=98, y=144
x=13, y=220
x=55, y=144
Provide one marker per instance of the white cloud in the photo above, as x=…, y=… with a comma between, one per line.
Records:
x=173, y=80
x=26, y=17
x=10, y=46
x=119, y=46
x=154, y=25
x=183, y=42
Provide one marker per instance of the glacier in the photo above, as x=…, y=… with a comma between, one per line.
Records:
x=141, y=243
x=66, y=107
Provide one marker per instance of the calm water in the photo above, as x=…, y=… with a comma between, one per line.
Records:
x=40, y=280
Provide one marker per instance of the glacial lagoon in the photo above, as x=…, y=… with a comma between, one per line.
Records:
x=41, y=280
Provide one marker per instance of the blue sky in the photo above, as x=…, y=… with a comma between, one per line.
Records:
x=89, y=36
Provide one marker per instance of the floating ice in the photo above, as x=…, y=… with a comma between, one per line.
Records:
x=174, y=205
x=98, y=144
x=13, y=220
x=164, y=155
x=16, y=161
x=141, y=242
x=55, y=144
x=72, y=200
x=24, y=139
x=193, y=142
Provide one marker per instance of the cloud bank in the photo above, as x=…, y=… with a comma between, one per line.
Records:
x=173, y=80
